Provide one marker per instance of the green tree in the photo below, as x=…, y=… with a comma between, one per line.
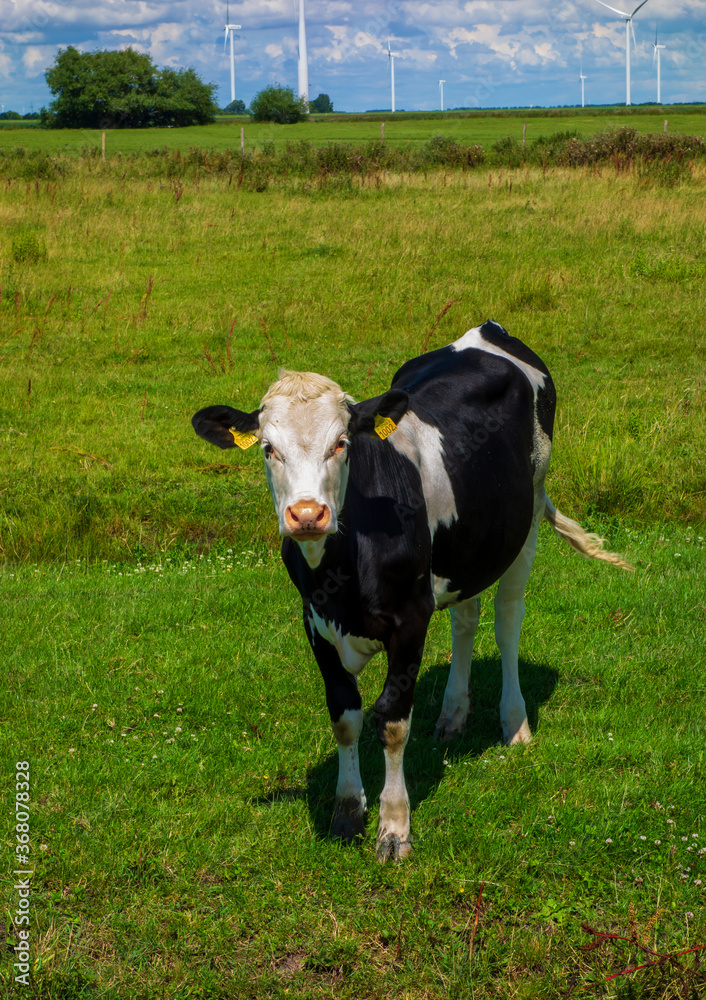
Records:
x=323, y=104
x=279, y=104
x=110, y=89
x=235, y=108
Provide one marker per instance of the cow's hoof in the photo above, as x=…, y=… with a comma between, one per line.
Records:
x=448, y=727
x=517, y=734
x=348, y=821
x=391, y=848
x=452, y=718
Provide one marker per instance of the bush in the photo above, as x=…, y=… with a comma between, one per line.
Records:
x=28, y=248
x=442, y=150
x=279, y=104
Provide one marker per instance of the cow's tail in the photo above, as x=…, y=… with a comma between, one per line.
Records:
x=588, y=545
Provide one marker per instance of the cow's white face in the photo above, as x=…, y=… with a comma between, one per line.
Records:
x=304, y=441
x=303, y=426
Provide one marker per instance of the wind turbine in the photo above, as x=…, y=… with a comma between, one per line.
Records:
x=303, y=63
x=391, y=56
x=230, y=28
x=582, y=78
x=441, y=94
x=657, y=56
x=628, y=28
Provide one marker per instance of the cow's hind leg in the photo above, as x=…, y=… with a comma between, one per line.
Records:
x=346, y=710
x=457, y=702
x=509, y=612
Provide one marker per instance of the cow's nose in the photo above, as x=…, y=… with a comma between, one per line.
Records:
x=306, y=516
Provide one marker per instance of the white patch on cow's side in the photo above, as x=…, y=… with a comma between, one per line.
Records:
x=354, y=650
x=422, y=444
x=442, y=595
x=474, y=338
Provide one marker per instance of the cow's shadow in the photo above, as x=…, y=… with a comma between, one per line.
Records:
x=424, y=756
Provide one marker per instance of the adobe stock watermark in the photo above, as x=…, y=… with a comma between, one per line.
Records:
x=335, y=579
x=22, y=872
x=397, y=685
x=491, y=424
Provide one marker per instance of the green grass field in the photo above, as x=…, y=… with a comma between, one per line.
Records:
x=400, y=130
x=183, y=772
x=156, y=675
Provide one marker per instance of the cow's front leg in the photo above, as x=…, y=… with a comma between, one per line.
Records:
x=393, y=715
x=345, y=708
x=351, y=807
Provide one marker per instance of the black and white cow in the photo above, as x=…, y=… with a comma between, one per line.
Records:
x=418, y=499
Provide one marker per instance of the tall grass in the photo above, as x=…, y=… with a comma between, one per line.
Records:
x=662, y=157
x=162, y=294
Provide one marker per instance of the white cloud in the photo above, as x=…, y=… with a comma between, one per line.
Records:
x=36, y=58
x=520, y=43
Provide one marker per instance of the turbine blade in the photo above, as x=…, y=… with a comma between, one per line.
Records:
x=615, y=9
x=638, y=7
x=632, y=32
x=225, y=39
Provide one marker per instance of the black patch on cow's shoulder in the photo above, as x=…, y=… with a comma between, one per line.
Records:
x=445, y=385
x=499, y=337
x=392, y=404
x=214, y=422
x=546, y=395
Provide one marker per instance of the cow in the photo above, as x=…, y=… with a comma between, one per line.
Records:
x=416, y=499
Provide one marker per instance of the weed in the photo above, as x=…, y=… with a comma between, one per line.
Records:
x=28, y=248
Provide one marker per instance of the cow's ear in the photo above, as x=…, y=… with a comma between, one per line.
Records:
x=227, y=427
x=380, y=414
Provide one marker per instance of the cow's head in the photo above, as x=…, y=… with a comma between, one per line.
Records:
x=304, y=427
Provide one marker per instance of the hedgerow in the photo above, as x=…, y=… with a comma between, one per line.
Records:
x=664, y=158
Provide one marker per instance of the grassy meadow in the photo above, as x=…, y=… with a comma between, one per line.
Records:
x=156, y=675
x=400, y=130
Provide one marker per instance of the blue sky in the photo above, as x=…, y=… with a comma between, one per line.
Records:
x=491, y=53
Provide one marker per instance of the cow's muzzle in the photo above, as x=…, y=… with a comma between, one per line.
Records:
x=307, y=518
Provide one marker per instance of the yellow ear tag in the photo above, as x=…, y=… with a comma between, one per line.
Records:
x=384, y=426
x=242, y=439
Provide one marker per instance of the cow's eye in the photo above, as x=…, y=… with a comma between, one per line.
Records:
x=268, y=451
x=339, y=447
